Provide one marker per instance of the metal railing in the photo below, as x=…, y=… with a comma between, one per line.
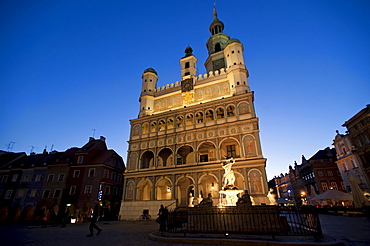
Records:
x=255, y=220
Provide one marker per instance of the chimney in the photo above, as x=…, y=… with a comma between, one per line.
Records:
x=102, y=138
x=91, y=139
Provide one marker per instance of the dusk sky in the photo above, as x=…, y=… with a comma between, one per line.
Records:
x=68, y=67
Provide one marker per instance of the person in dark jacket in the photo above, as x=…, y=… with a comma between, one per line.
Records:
x=94, y=218
x=163, y=214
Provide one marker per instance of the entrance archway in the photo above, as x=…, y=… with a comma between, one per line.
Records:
x=184, y=186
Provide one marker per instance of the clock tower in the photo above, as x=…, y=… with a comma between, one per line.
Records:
x=186, y=128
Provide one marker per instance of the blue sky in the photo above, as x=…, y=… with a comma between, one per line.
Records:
x=67, y=67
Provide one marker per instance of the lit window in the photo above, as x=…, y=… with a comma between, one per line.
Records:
x=38, y=178
x=334, y=185
x=33, y=192
x=20, y=193
x=324, y=186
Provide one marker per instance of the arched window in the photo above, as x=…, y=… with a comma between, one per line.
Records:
x=147, y=160
x=199, y=117
x=209, y=115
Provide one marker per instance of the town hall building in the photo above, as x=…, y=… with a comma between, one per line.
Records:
x=186, y=130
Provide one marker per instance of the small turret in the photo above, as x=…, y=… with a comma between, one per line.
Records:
x=149, y=83
x=188, y=63
x=237, y=72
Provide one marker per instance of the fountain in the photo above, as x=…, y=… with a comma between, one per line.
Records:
x=229, y=190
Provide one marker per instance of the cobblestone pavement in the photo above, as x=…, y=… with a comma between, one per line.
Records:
x=114, y=233
x=349, y=230
x=352, y=231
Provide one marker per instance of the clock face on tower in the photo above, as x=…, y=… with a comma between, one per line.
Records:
x=187, y=85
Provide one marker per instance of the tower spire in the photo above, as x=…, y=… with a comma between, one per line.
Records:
x=214, y=11
x=216, y=26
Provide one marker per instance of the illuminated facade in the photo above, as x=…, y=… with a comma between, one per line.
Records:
x=186, y=129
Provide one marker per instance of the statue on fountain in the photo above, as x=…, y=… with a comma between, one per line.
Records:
x=229, y=191
x=229, y=176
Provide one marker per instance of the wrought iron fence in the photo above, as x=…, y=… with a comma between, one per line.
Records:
x=262, y=220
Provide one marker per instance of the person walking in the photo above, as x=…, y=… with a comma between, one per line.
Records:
x=64, y=216
x=94, y=218
x=45, y=219
x=163, y=214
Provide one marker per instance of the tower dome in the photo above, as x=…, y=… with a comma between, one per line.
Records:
x=216, y=26
x=150, y=70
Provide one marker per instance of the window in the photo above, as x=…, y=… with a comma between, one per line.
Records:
x=119, y=177
x=51, y=177
x=106, y=173
x=324, y=186
x=343, y=187
x=57, y=193
x=72, y=190
x=88, y=189
x=15, y=177
x=114, y=191
x=320, y=173
x=33, y=193
x=330, y=173
x=334, y=185
x=107, y=190
x=46, y=194
x=187, y=64
x=61, y=177
x=76, y=173
x=20, y=193
x=4, y=179
x=91, y=172
x=354, y=164
x=38, y=178
x=217, y=47
x=113, y=175
x=8, y=194
x=345, y=167
x=26, y=178
x=230, y=149
x=80, y=159
x=203, y=158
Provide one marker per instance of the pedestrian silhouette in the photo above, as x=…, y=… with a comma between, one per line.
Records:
x=94, y=218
